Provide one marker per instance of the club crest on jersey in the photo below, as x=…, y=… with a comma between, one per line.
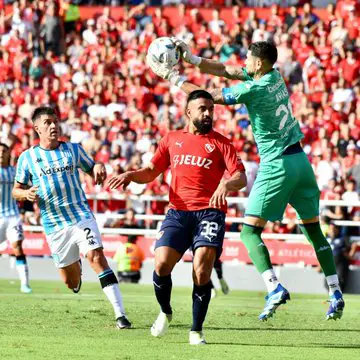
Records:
x=159, y=235
x=209, y=148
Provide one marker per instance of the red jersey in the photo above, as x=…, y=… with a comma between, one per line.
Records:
x=197, y=163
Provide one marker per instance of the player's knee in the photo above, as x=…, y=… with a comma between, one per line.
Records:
x=162, y=268
x=201, y=277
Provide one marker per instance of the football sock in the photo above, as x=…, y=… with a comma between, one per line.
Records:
x=270, y=279
x=322, y=248
x=22, y=269
x=333, y=283
x=257, y=250
x=218, y=269
x=162, y=287
x=212, y=285
x=111, y=289
x=201, y=297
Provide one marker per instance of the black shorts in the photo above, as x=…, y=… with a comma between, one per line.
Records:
x=182, y=230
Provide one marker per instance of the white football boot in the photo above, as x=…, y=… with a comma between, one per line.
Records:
x=196, y=338
x=160, y=326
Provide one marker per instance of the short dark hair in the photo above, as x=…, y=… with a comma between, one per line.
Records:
x=42, y=110
x=199, y=94
x=4, y=145
x=264, y=50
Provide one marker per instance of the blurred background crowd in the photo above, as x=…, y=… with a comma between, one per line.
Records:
x=93, y=72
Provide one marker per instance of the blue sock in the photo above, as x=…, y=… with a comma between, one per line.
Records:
x=162, y=287
x=201, y=298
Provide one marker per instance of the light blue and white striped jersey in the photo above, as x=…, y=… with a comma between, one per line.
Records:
x=62, y=199
x=8, y=205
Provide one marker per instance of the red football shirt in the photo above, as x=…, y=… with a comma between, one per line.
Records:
x=197, y=165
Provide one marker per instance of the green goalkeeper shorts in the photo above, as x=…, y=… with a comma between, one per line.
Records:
x=287, y=180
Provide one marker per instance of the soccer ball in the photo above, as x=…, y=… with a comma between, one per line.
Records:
x=164, y=51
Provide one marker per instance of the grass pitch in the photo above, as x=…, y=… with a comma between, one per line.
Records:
x=52, y=323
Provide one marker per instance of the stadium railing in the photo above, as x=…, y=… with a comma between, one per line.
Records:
x=232, y=236
x=230, y=200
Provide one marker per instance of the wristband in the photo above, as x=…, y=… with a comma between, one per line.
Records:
x=196, y=60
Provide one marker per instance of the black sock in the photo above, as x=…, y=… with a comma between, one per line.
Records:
x=212, y=285
x=162, y=287
x=218, y=269
x=107, y=277
x=20, y=259
x=201, y=298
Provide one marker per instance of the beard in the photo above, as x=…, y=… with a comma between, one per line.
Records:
x=250, y=72
x=203, y=127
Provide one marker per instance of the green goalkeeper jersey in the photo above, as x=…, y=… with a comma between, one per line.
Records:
x=267, y=100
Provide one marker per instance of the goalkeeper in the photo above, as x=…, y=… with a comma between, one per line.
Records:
x=285, y=175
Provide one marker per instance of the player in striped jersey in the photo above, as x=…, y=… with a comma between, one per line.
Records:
x=10, y=221
x=48, y=173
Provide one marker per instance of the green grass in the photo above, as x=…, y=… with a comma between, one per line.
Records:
x=53, y=323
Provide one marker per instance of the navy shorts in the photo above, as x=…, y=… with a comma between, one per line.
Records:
x=182, y=230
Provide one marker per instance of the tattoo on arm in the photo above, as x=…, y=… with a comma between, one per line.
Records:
x=217, y=96
x=234, y=73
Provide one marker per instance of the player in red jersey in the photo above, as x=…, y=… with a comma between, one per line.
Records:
x=198, y=157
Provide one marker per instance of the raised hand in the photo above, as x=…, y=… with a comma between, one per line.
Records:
x=186, y=53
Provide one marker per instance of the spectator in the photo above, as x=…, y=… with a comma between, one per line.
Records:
x=129, y=256
x=53, y=31
x=89, y=34
x=291, y=18
x=308, y=19
x=354, y=172
x=105, y=94
x=292, y=71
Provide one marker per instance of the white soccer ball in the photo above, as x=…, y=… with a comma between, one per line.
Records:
x=164, y=51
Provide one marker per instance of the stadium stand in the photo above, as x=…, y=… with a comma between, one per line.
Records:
x=88, y=63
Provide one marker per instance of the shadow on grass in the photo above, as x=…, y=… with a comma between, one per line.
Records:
x=186, y=326
x=303, y=346
x=282, y=329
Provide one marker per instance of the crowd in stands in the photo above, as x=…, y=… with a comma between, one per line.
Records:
x=93, y=72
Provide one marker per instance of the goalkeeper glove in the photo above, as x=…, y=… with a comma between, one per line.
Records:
x=186, y=52
x=164, y=72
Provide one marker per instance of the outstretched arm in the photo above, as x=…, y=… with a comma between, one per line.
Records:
x=217, y=68
x=141, y=176
x=209, y=66
x=220, y=96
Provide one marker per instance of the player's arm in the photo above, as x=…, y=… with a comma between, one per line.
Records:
x=207, y=66
x=217, y=95
x=96, y=170
x=159, y=163
x=98, y=173
x=235, y=183
x=23, y=192
x=226, y=96
x=216, y=68
x=21, y=189
x=141, y=176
